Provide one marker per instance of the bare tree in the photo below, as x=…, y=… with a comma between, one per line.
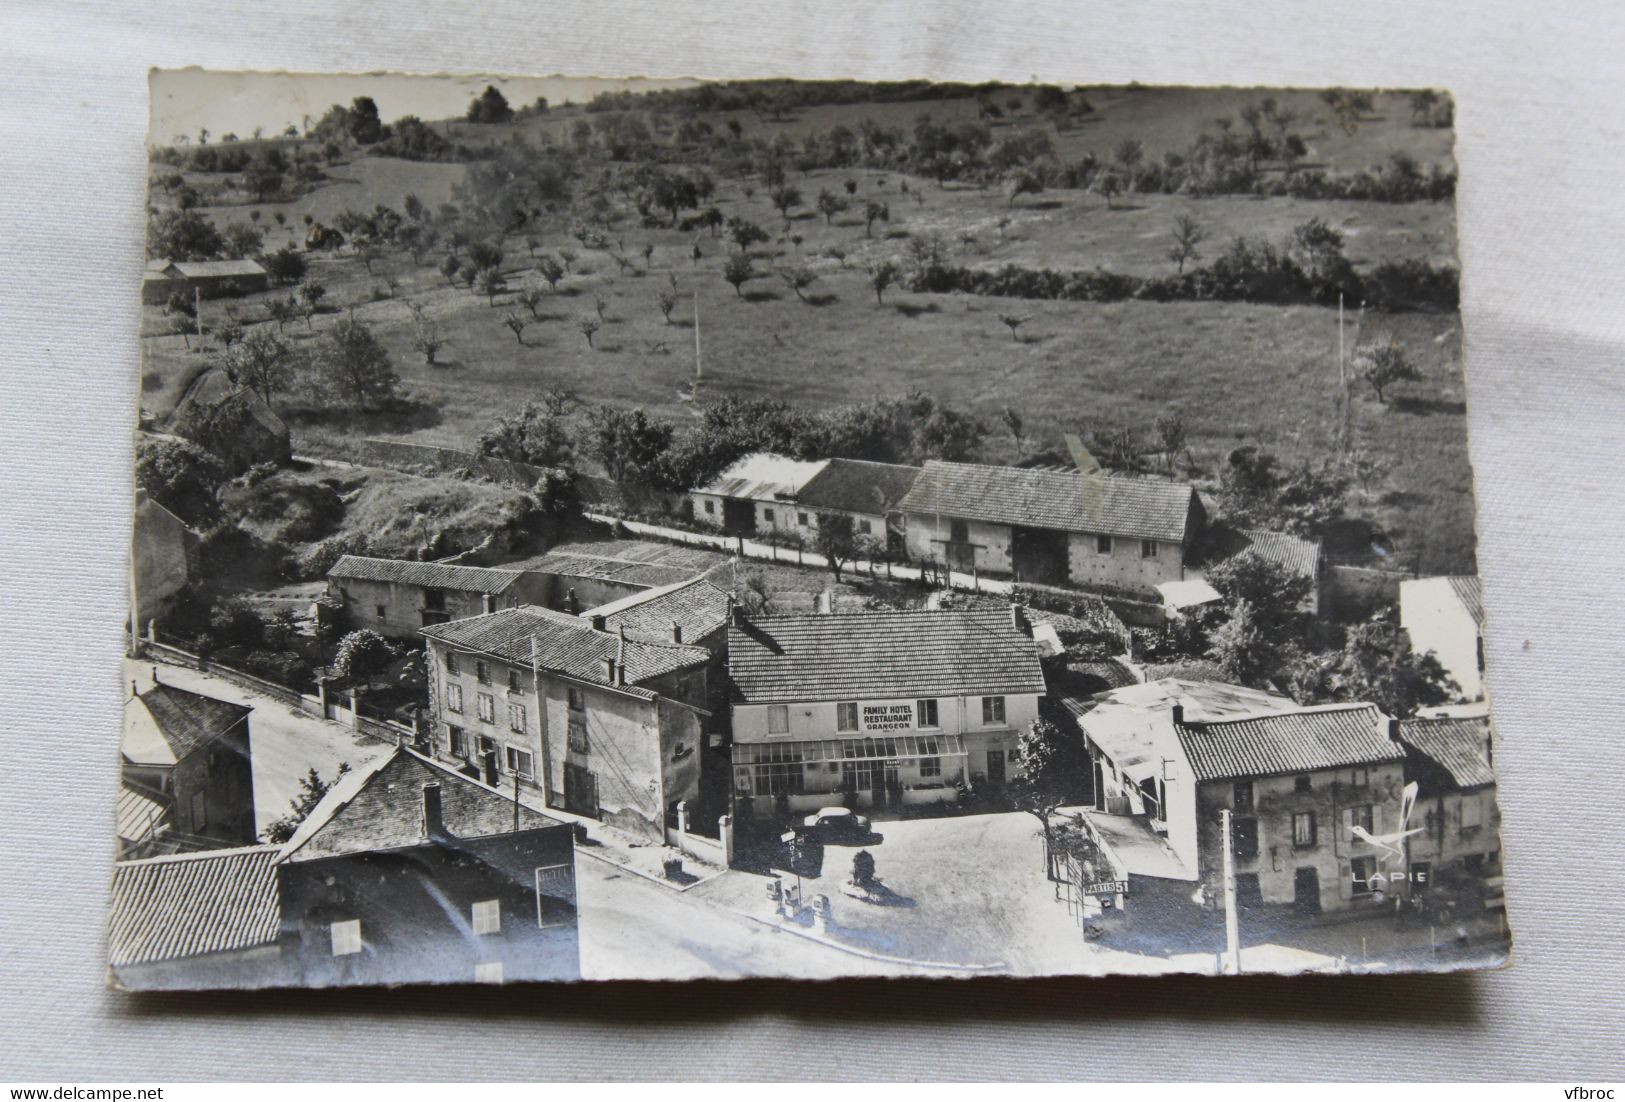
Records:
x=1188, y=234
x=667, y=301
x=1170, y=428
x=588, y=324
x=1015, y=321
x=426, y=334
x=798, y=279
x=517, y=323
x=531, y=299
x=882, y=274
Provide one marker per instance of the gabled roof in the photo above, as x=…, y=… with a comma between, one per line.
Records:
x=140, y=815
x=697, y=606
x=764, y=476
x=165, y=724
x=881, y=655
x=468, y=579
x=186, y=904
x=858, y=486
x=380, y=807
x=1115, y=505
x=571, y=564
x=1444, y=755
x=1325, y=737
x=567, y=645
x=1298, y=556
x=215, y=269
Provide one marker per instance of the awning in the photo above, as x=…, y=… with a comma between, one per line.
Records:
x=1187, y=593
x=851, y=750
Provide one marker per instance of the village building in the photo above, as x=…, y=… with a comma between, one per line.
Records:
x=187, y=778
x=409, y=871
x=601, y=723
x=694, y=612
x=232, y=423
x=1052, y=527
x=887, y=708
x=203, y=919
x=398, y=597
x=867, y=492
x=163, y=556
x=1450, y=759
x=757, y=495
x=1297, y=557
x=577, y=581
x=208, y=278
x=1445, y=615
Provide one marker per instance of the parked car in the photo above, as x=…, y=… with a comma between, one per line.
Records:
x=837, y=822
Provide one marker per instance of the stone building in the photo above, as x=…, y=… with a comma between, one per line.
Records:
x=1052, y=527
x=756, y=495
x=891, y=708
x=601, y=723
x=398, y=598
x=1450, y=759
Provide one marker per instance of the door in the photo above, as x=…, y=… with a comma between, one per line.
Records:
x=995, y=766
x=1306, y=891
x=580, y=790
x=739, y=517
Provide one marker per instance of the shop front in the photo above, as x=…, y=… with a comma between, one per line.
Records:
x=879, y=773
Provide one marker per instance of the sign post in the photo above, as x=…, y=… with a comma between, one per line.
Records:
x=1232, y=935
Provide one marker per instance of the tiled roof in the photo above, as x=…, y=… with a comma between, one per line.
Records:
x=567, y=564
x=186, y=904
x=879, y=655
x=1143, y=508
x=858, y=486
x=469, y=579
x=1447, y=754
x=381, y=807
x=764, y=476
x=214, y=269
x=140, y=815
x=565, y=644
x=165, y=724
x=1469, y=590
x=1325, y=737
x=697, y=606
x=1297, y=555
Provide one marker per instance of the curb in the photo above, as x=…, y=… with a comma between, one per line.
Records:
x=864, y=954
x=653, y=879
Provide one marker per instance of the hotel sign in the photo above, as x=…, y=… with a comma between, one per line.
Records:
x=888, y=717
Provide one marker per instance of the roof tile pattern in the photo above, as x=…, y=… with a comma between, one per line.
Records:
x=1469, y=590
x=1446, y=754
x=881, y=655
x=470, y=579
x=858, y=486
x=188, y=904
x=565, y=644
x=1326, y=737
x=189, y=720
x=698, y=607
x=1142, y=508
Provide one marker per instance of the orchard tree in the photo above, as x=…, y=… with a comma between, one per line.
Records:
x=285, y=265
x=354, y=363
x=1109, y=184
x=882, y=274
x=531, y=299
x=667, y=301
x=837, y=540
x=1383, y=363
x=263, y=362
x=1188, y=234
x=241, y=239
x=738, y=270
x=516, y=322
x=798, y=279
x=537, y=433
x=310, y=301
x=745, y=233
x=551, y=270
x=829, y=205
x=1015, y=321
x=1170, y=428
x=427, y=336
x=785, y=199
x=874, y=211
x=589, y=324
x=490, y=282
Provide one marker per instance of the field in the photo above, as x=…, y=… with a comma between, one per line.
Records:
x=1241, y=373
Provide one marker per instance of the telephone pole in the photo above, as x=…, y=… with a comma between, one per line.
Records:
x=1232, y=935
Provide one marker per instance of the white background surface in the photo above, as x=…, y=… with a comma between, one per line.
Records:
x=1539, y=88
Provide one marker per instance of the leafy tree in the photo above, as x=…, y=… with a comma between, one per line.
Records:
x=882, y=274
x=589, y=324
x=449, y=268
x=1015, y=321
x=355, y=363
x=516, y=322
x=836, y=538
x=785, y=199
x=1129, y=153
x=829, y=205
x=798, y=279
x=490, y=106
x=183, y=235
x=1320, y=245
x=362, y=655
x=427, y=337
x=738, y=270
x=241, y=239
x=1109, y=184
x=228, y=332
x=490, y=282
x=1274, y=594
x=1012, y=421
x=874, y=211
x=364, y=124
x=1188, y=234
x=282, y=311
x=285, y=265
x=1378, y=665
x=263, y=362
x=1244, y=649
x=744, y=233
x=181, y=477
x=633, y=447
x=1383, y=363
x=531, y=299
x=310, y=301
x=263, y=179
x=1023, y=183
x=1055, y=771
x=537, y=434
x=311, y=790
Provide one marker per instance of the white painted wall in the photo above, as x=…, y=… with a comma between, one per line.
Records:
x=1430, y=611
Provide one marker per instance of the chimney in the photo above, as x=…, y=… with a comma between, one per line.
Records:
x=1178, y=714
x=489, y=600
x=736, y=612
x=620, y=647
x=1393, y=730
x=597, y=621
x=609, y=670
x=676, y=632
x=489, y=761
x=1018, y=619
x=824, y=603
x=571, y=602
x=434, y=825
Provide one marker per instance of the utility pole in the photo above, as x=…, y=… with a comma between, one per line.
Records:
x=1232, y=935
x=541, y=732
x=698, y=370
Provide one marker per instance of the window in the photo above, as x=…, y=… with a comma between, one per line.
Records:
x=1148, y=549
x=1303, y=784
x=513, y=681
x=434, y=600
x=1421, y=872
x=520, y=762
x=1303, y=829
x=1361, y=870
x=778, y=719
x=488, y=916
x=931, y=767
x=1472, y=813
x=992, y=710
x=381, y=610
x=711, y=507
x=487, y=705
x=865, y=527
x=776, y=777
x=578, y=735
x=200, y=811
x=458, y=740
x=1244, y=837
x=454, y=698
x=452, y=666
x=925, y=713
x=958, y=531
x=482, y=671
x=801, y=519
x=1103, y=545
x=516, y=718
x=577, y=699
x=1359, y=778
x=767, y=515
x=346, y=937
x=846, y=715
x=1242, y=800
x=1359, y=816
x=487, y=745
x=488, y=973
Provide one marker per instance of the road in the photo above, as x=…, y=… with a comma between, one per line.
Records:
x=632, y=928
x=285, y=743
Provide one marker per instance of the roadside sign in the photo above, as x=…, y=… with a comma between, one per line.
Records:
x=1106, y=887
